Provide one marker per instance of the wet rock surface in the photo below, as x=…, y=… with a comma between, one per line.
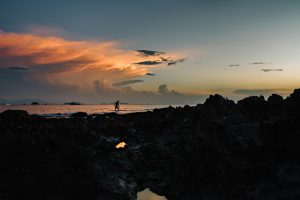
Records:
x=215, y=150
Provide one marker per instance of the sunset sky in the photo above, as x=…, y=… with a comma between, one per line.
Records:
x=159, y=51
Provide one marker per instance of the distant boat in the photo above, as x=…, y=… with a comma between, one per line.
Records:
x=73, y=103
x=7, y=104
x=35, y=103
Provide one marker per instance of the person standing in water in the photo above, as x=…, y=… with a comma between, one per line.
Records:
x=117, y=105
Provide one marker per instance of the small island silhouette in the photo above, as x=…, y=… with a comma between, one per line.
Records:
x=73, y=103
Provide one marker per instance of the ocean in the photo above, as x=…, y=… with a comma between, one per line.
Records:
x=66, y=110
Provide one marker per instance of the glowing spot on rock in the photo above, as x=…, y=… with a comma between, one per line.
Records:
x=148, y=195
x=121, y=145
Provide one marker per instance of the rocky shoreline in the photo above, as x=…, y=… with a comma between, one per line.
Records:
x=216, y=150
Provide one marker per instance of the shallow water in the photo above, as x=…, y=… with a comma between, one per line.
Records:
x=90, y=109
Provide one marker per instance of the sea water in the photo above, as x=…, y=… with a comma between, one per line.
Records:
x=66, y=110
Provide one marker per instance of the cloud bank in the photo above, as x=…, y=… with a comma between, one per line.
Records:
x=248, y=92
x=259, y=63
x=128, y=82
x=58, y=55
x=234, y=65
x=150, y=74
x=272, y=70
x=19, y=68
x=56, y=70
x=150, y=53
x=162, y=96
x=149, y=62
x=168, y=61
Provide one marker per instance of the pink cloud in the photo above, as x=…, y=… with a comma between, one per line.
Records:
x=58, y=55
x=58, y=62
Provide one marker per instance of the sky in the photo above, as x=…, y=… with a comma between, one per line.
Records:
x=154, y=52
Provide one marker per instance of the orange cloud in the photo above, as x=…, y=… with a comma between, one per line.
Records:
x=59, y=62
x=57, y=55
x=31, y=50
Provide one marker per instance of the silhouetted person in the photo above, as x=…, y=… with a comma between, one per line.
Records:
x=117, y=106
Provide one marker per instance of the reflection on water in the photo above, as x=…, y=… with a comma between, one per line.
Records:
x=61, y=110
x=148, y=195
x=120, y=145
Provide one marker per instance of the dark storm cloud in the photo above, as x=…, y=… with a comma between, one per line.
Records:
x=150, y=52
x=126, y=83
x=258, y=63
x=149, y=62
x=19, y=68
x=150, y=74
x=272, y=70
x=163, y=60
x=234, y=65
x=174, y=62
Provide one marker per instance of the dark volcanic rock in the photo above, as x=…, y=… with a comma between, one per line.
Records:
x=79, y=115
x=275, y=100
x=296, y=95
x=253, y=107
x=253, y=103
x=218, y=106
x=14, y=114
x=216, y=150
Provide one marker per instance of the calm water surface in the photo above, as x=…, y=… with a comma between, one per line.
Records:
x=68, y=109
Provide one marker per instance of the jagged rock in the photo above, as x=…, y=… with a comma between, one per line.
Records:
x=253, y=107
x=14, y=114
x=275, y=100
x=218, y=106
x=216, y=150
x=214, y=99
x=244, y=135
x=252, y=103
x=292, y=105
x=295, y=95
x=79, y=115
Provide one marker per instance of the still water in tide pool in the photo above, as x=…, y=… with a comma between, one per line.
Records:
x=65, y=110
